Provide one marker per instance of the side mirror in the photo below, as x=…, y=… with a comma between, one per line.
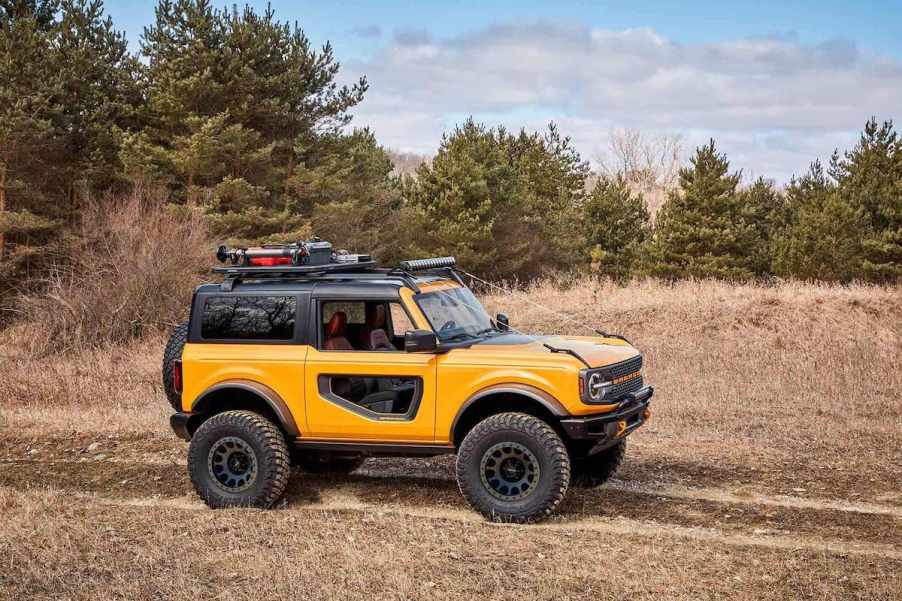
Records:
x=503, y=322
x=420, y=341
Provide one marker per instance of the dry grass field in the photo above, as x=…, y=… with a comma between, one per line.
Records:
x=771, y=469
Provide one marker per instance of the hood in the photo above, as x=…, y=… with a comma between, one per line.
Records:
x=597, y=351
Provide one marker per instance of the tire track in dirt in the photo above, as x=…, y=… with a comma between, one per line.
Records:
x=340, y=501
x=717, y=495
x=720, y=495
x=740, y=497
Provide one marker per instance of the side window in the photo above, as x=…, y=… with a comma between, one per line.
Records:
x=341, y=324
x=400, y=322
x=249, y=318
x=368, y=325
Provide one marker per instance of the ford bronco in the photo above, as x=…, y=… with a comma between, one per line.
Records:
x=307, y=357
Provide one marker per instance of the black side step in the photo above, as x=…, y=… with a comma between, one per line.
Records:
x=376, y=448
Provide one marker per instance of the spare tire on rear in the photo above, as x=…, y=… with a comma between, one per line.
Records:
x=173, y=353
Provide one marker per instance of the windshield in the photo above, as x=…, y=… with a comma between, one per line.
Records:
x=455, y=314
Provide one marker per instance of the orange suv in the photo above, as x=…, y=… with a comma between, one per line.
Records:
x=326, y=361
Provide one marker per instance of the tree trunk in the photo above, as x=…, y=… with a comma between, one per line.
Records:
x=290, y=170
x=2, y=206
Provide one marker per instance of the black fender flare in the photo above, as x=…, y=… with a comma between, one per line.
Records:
x=262, y=391
x=551, y=404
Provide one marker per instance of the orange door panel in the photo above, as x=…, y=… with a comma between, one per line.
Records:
x=350, y=395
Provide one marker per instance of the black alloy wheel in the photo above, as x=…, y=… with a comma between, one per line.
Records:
x=232, y=464
x=509, y=471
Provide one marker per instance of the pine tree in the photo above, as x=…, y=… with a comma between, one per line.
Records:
x=356, y=199
x=237, y=101
x=27, y=106
x=215, y=155
x=764, y=208
x=100, y=95
x=822, y=239
x=555, y=188
x=869, y=180
x=461, y=195
x=505, y=205
x=617, y=225
x=68, y=90
x=846, y=223
x=701, y=230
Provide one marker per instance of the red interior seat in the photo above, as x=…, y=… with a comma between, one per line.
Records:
x=373, y=336
x=336, y=333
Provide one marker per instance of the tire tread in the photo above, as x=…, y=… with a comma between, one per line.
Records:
x=173, y=351
x=276, y=458
x=536, y=429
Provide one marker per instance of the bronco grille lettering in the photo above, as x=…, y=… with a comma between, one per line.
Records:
x=626, y=378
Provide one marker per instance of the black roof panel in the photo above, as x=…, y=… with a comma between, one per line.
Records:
x=335, y=285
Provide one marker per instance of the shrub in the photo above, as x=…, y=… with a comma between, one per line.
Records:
x=131, y=267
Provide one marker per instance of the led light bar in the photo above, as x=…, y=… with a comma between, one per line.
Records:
x=422, y=264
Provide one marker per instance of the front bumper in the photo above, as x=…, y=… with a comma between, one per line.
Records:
x=608, y=428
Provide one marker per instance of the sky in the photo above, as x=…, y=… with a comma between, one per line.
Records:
x=776, y=84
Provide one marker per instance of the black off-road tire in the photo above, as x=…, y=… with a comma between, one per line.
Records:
x=270, y=460
x=172, y=353
x=507, y=435
x=595, y=470
x=314, y=462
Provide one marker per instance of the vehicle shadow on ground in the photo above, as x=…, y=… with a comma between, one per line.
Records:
x=647, y=471
x=380, y=480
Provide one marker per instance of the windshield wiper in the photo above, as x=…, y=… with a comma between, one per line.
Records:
x=458, y=336
x=468, y=335
x=486, y=331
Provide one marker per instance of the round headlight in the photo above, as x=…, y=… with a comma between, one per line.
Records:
x=597, y=386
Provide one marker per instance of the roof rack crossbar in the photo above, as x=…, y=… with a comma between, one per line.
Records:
x=234, y=276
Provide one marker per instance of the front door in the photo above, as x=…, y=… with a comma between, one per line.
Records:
x=360, y=383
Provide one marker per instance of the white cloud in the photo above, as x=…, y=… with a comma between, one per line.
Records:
x=773, y=104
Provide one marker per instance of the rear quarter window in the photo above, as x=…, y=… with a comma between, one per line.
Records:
x=249, y=317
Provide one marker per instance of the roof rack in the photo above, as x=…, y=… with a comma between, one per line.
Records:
x=297, y=270
x=315, y=260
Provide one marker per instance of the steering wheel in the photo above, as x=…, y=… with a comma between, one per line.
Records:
x=448, y=325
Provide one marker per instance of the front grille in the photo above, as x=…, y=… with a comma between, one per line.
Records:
x=624, y=368
x=625, y=388
x=618, y=370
